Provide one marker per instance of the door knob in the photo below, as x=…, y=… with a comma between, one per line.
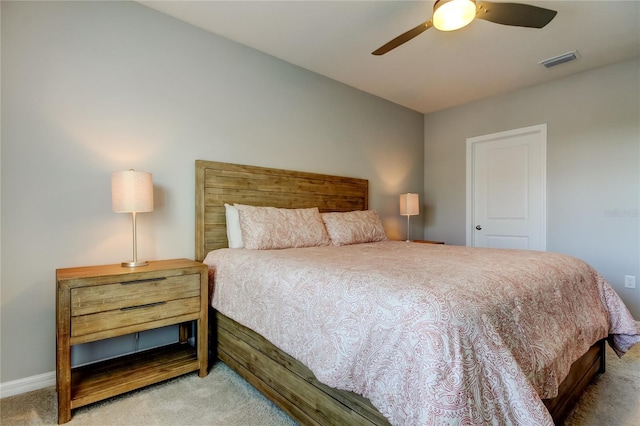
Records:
x=478, y=227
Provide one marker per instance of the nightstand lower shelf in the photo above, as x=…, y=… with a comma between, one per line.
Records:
x=94, y=382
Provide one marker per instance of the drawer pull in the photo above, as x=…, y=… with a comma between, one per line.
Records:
x=148, y=305
x=148, y=280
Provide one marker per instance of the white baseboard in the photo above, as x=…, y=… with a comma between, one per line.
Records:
x=28, y=384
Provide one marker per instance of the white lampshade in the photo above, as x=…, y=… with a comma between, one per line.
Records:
x=450, y=15
x=131, y=191
x=409, y=204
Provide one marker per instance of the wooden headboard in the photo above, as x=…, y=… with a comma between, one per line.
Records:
x=219, y=183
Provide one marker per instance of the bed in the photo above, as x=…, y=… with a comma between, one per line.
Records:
x=279, y=376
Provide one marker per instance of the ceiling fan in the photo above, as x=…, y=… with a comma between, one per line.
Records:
x=450, y=15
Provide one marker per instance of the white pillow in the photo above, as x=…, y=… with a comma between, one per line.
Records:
x=234, y=233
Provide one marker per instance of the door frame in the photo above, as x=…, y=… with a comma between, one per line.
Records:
x=471, y=144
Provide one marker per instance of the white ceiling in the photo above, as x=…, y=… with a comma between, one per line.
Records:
x=435, y=70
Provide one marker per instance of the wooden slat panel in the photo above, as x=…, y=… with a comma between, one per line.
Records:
x=278, y=180
x=213, y=233
x=215, y=202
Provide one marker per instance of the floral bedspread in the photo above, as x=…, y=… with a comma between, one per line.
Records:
x=430, y=334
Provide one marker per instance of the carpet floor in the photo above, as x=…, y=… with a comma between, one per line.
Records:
x=223, y=398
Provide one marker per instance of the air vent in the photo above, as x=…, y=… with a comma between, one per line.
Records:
x=560, y=59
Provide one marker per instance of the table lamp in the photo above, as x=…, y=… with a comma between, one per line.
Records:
x=409, y=206
x=132, y=192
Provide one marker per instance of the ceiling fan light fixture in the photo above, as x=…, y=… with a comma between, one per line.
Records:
x=450, y=15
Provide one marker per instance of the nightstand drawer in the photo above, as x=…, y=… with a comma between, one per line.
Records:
x=132, y=315
x=109, y=297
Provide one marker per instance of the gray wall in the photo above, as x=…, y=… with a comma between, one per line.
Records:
x=93, y=87
x=593, y=166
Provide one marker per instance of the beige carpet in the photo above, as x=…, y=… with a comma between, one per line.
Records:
x=223, y=398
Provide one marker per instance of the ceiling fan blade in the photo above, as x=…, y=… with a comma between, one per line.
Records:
x=515, y=14
x=403, y=38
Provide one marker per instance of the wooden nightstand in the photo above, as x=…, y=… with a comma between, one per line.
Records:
x=428, y=242
x=98, y=302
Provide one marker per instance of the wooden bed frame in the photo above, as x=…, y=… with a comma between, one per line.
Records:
x=281, y=378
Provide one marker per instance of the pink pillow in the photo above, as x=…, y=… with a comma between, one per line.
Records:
x=361, y=226
x=274, y=228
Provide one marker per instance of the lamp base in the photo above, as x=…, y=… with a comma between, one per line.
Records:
x=134, y=264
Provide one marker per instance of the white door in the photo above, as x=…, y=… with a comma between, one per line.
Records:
x=506, y=189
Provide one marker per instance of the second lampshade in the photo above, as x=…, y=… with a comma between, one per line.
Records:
x=409, y=206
